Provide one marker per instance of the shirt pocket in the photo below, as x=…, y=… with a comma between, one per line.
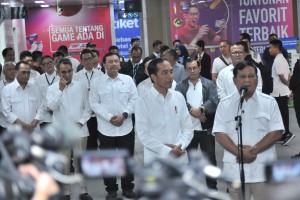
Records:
x=33, y=102
x=105, y=96
x=124, y=92
x=261, y=121
x=16, y=103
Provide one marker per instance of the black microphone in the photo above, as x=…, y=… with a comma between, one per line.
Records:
x=243, y=91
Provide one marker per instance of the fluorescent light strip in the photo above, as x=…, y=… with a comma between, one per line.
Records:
x=39, y=2
x=4, y=3
x=45, y=6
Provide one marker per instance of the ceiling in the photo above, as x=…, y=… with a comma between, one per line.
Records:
x=30, y=3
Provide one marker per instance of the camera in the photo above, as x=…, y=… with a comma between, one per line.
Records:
x=105, y=163
x=281, y=171
x=218, y=23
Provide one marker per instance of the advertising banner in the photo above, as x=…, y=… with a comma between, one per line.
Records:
x=215, y=20
x=74, y=27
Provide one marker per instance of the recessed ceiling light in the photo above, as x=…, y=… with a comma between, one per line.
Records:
x=39, y=2
x=44, y=6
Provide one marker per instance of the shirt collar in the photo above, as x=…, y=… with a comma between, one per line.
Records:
x=155, y=93
x=106, y=77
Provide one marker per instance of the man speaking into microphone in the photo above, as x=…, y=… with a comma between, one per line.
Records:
x=261, y=127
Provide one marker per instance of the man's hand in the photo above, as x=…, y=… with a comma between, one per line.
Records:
x=34, y=123
x=62, y=83
x=202, y=118
x=117, y=120
x=248, y=156
x=195, y=112
x=203, y=31
x=45, y=185
x=177, y=151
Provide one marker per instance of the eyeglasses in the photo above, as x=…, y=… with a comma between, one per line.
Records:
x=238, y=53
x=193, y=69
x=87, y=59
x=48, y=63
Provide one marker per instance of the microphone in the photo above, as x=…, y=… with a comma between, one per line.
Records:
x=243, y=91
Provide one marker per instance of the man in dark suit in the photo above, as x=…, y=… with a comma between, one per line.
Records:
x=134, y=67
x=204, y=59
x=156, y=49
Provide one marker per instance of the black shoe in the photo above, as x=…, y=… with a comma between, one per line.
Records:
x=129, y=194
x=85, y=196
x=296, y=156
x=111, y=196
x=67, y=197
x=288, y=137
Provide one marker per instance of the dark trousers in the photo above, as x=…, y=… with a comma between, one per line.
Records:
x=92, y=140
x=284, y=110
x=207, y=146
x=297, y=108
x=121, y=142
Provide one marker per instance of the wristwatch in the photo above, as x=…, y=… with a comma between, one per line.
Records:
x=125, y=115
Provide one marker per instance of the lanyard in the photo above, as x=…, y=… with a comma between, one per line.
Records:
x=48, y=80
x=89, y=80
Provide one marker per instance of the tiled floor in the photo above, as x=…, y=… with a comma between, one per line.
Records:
x=96, y=187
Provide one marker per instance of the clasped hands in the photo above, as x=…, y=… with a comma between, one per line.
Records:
x=197, y=113
x=248, y=154
x=176, y=149
x=117, y=120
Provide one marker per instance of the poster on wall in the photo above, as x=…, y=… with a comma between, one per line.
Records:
x=74, y=27
x=215, y=20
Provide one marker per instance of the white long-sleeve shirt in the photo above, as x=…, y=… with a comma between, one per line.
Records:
x=86, y=77
x=3, y=122
x=162, y=120
x=24, y=104
x=43, y=82
x=70, y=104
x=110, y=97
x=225, y=84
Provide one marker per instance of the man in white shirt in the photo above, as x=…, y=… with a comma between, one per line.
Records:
x=85, y=77
x=43, y=82
x=262, y=126
x=163, y=122
x=201, y=99
x=9, y=73
x=112, y=98
x=68, y=100
x=281, y=77
x=222, y=61
x=225, y=84
x=22, y=100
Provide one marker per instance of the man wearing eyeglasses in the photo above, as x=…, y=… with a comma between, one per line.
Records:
x=43, y=82
x=201, y=99
x=225, y=84
x=22, y=100
x=85, y=77
x=112, y=98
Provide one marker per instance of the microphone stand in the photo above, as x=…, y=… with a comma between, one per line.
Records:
x=240, y=146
